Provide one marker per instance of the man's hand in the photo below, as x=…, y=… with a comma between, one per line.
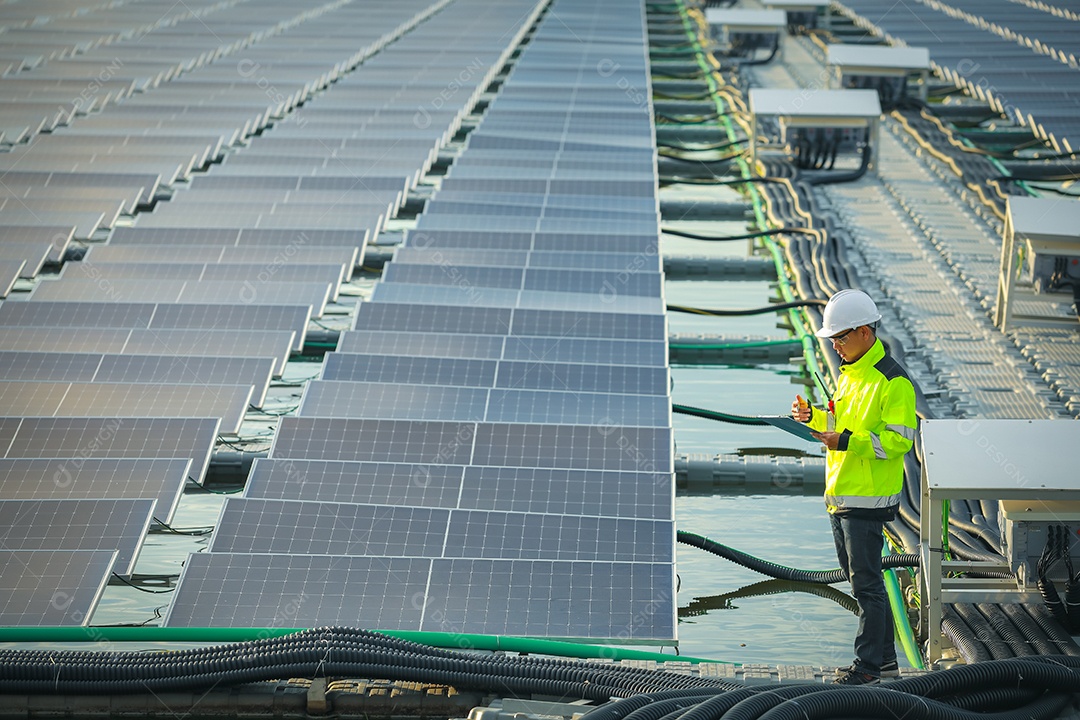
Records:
x=829, y=439
x=800, y=409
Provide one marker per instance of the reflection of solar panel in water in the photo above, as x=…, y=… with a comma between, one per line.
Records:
x=52, y=588
x=114, y=524
x=112, y=437
x=229, y=590
x=79, y=478
x=355, y=482
x=289, y=527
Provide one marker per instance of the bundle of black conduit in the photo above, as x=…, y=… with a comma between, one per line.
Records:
x=1030, y=688
x=331, y=652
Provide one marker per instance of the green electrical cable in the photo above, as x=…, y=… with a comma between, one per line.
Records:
x=901, y=625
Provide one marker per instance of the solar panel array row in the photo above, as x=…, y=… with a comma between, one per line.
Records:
x=488, y=428
x=1027, y=65
x=171, y=331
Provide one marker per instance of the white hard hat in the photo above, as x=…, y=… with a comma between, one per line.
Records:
x=845, y=310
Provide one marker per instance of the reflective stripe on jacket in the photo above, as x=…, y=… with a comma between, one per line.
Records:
x=875, y=416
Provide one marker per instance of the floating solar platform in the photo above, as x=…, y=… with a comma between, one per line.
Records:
x=52, y=588
x=115, y=525
x=80, y=478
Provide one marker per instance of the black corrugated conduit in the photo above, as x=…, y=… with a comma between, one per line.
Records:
x=971, y=649
x=998, y=648
x=781, y=572
x=327, y=652
x=1035, y=688
x=1020, y=645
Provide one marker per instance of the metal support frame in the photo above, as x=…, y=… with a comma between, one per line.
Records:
x=875, y=61
x=984, y=459
x=817, y=108
x=1040, y=226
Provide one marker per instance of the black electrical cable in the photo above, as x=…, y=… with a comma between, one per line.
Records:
x=771, y=569
x=715, y=415
x=701, y=605
x=748, y=311
x=1005, y=629
x=746, y=236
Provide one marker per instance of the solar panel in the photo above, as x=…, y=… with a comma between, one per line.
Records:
x=601, y=447
x=561, y=323
x=112, y=437
x=227, y=590
x=227, y=402
x=535, y=536
x=84, y=289
x=378, y=440
x=58, y=236
x=576, y=408
x=289, y=527
x=432, y=318
x=598, y=351
x=32, y=254
x=646, y=495
x=464, y=295
x=420, y=344
x=571, y=600
x=601, y=378
x=329, y=398
x=553, y=599
x=10, y=270
x=45, y=366
x=81, y=478
x=459, y=276
x=355, y=482
x=198, y=342
x=404, y=369
x=234, y=317
x=601, y=493
x=75, y=314
x=52, y=588
x=62, y=339
x=292, y=255
x=113, y=524
x=188, y=370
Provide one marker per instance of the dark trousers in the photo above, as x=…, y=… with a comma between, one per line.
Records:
x=858, y=548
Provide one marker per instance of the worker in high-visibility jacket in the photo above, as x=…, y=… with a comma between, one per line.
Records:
x=867, y=426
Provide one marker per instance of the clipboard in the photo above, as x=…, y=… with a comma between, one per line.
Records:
x=790, y=425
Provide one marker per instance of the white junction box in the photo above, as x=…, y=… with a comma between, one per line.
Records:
x=1026, y=530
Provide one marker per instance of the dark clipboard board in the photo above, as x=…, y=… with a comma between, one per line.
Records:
x=790, y=425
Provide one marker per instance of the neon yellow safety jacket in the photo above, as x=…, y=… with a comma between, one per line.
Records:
x=875, y=416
